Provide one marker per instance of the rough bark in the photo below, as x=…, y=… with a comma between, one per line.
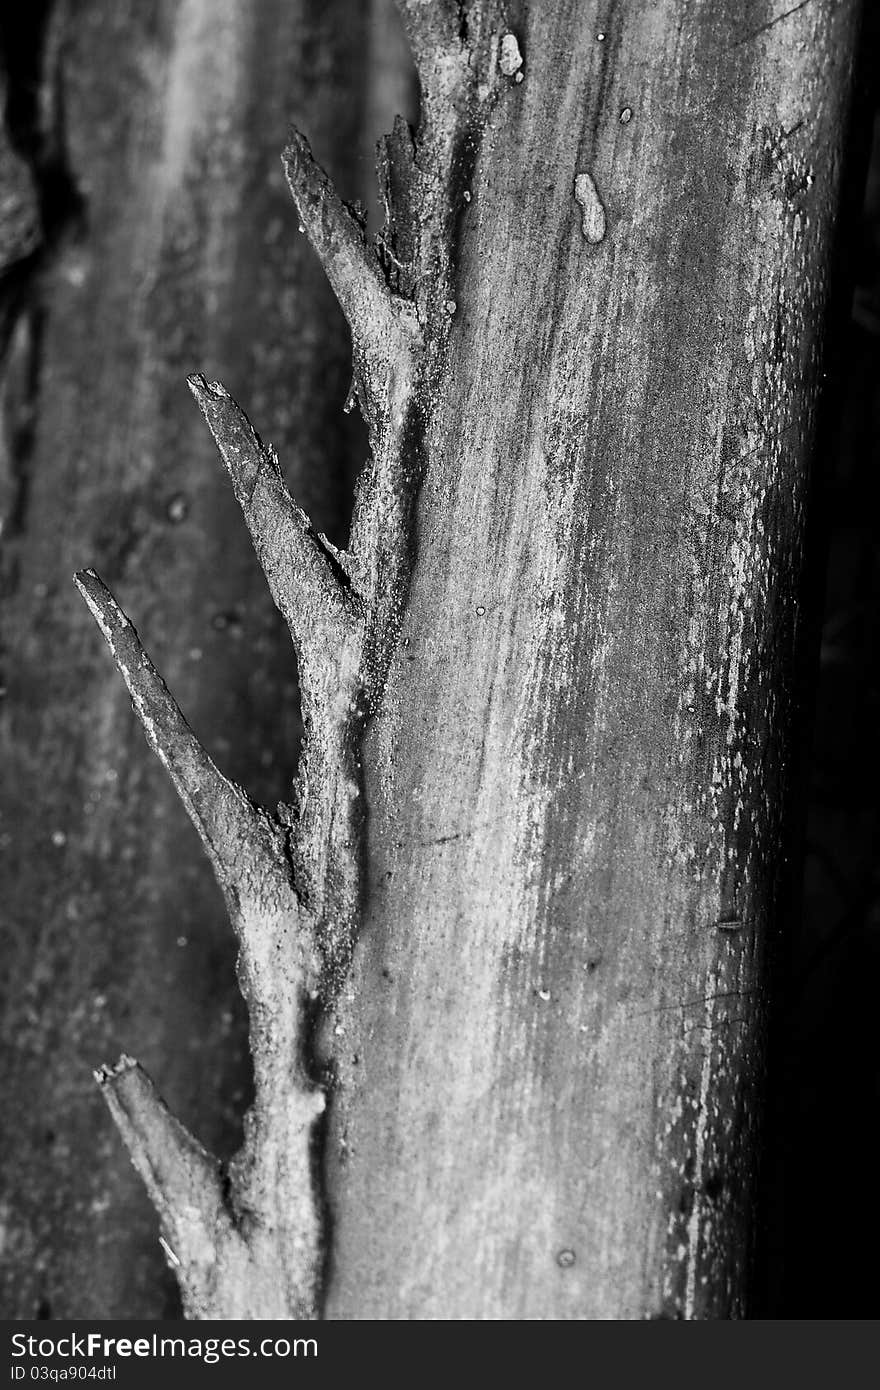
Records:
x=169, y=245
x=531, y=861
x=548, y=1050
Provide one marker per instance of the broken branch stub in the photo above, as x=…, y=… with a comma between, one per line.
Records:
x=254, y=1252
x=382, y=329
x=182, y=1178
x=247, y=848
x=252, y=1247
x=221, y=813
x=234, y=1253
x=312, y=588
x=304, y=576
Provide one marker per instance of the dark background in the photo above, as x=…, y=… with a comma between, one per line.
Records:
x=822, y=1205
x=144, y=234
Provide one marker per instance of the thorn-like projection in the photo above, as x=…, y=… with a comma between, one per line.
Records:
x=308, y=587
x=380, y=328
x=183, y=1180
x=227, y=822
x=246, y=1239
x=265, y=1263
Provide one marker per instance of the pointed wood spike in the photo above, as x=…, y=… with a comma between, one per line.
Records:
x=182, y=1178
x=351, y=265
x=303, y=578
x=227, y=822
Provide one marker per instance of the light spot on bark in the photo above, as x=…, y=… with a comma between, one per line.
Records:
x=593, y=213
x=510, y=61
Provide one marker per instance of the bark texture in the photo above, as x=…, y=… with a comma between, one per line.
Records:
x=169, y=244
x=246, y=1238
x=530, y=862
x=548, y=1050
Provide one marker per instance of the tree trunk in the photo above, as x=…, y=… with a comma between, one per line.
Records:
x=513, y=931
x=548, y=1053
x=169, y=242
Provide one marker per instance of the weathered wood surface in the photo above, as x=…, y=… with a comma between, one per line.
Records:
x=548, y=1051
x=169, y=120
x=599, y=357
